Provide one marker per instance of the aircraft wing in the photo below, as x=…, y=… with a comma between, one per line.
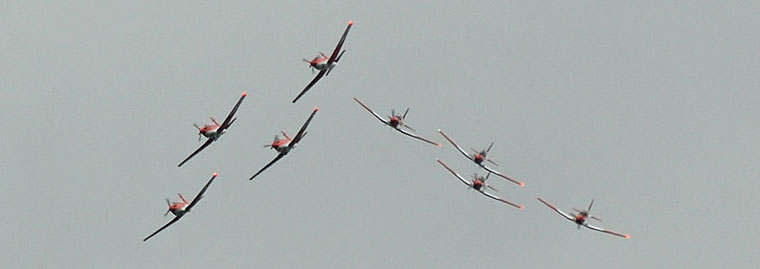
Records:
x=521, y=207
x=163, y=227
x=279, y=156
x=334, y=55
x=200, y=194
x=208, y=142
x=371, y=112
x=313, y=81
x=302, y=132
x=567, y=216
x=626, y=236
x=418, y=137
x=455, y=145
x=502, y=175
x=454, y=173
x=228, y=121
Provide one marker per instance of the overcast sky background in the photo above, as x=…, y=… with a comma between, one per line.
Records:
x=650, y=108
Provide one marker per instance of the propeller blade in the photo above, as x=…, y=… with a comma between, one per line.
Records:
x=598, y=219
x=489, y=147
x=197, y=127
x=393, y=112
x=406, y=112
x=169, y=203
x=494, y=189
x=490, y=161
x=589, y=206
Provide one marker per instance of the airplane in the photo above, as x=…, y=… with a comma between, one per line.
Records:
x=396, y=122
x=180, y=208
x=479, y=156
x=325, y=64
x=284, y=145
x=581, y=217
x=479, y=184
x=214, y=130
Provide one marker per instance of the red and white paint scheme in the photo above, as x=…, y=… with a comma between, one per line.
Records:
x=214, y=130
x=180, y=208
x=478, y=157
x=320, y=62
x=280, y=144
x=397, y=122
x=325, y=64
x=209, y=130
x=479, y=184
x=284, y=145
x=581, y=218
x=177, y=207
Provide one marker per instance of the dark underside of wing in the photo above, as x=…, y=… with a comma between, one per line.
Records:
x=208, y=142
x=334, y=55
x=302, y=131
x=163, y=227
x=228, y=121
x=313, y=81
x=279, y=156
x=200, y=194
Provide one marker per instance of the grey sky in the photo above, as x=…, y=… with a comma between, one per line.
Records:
x=650, y=108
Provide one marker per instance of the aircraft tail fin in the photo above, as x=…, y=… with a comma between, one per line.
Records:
x=340, y=55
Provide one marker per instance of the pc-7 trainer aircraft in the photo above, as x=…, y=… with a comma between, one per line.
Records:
x=180, y=208
x=581, y=217
x=478, y=157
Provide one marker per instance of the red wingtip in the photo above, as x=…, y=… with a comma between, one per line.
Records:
x=439, y=145
x=351, y=22
x=245, y=94
x=627, y=236
x=215, y=174
x=522, y=184
x=522, y=207
x=316, y=108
